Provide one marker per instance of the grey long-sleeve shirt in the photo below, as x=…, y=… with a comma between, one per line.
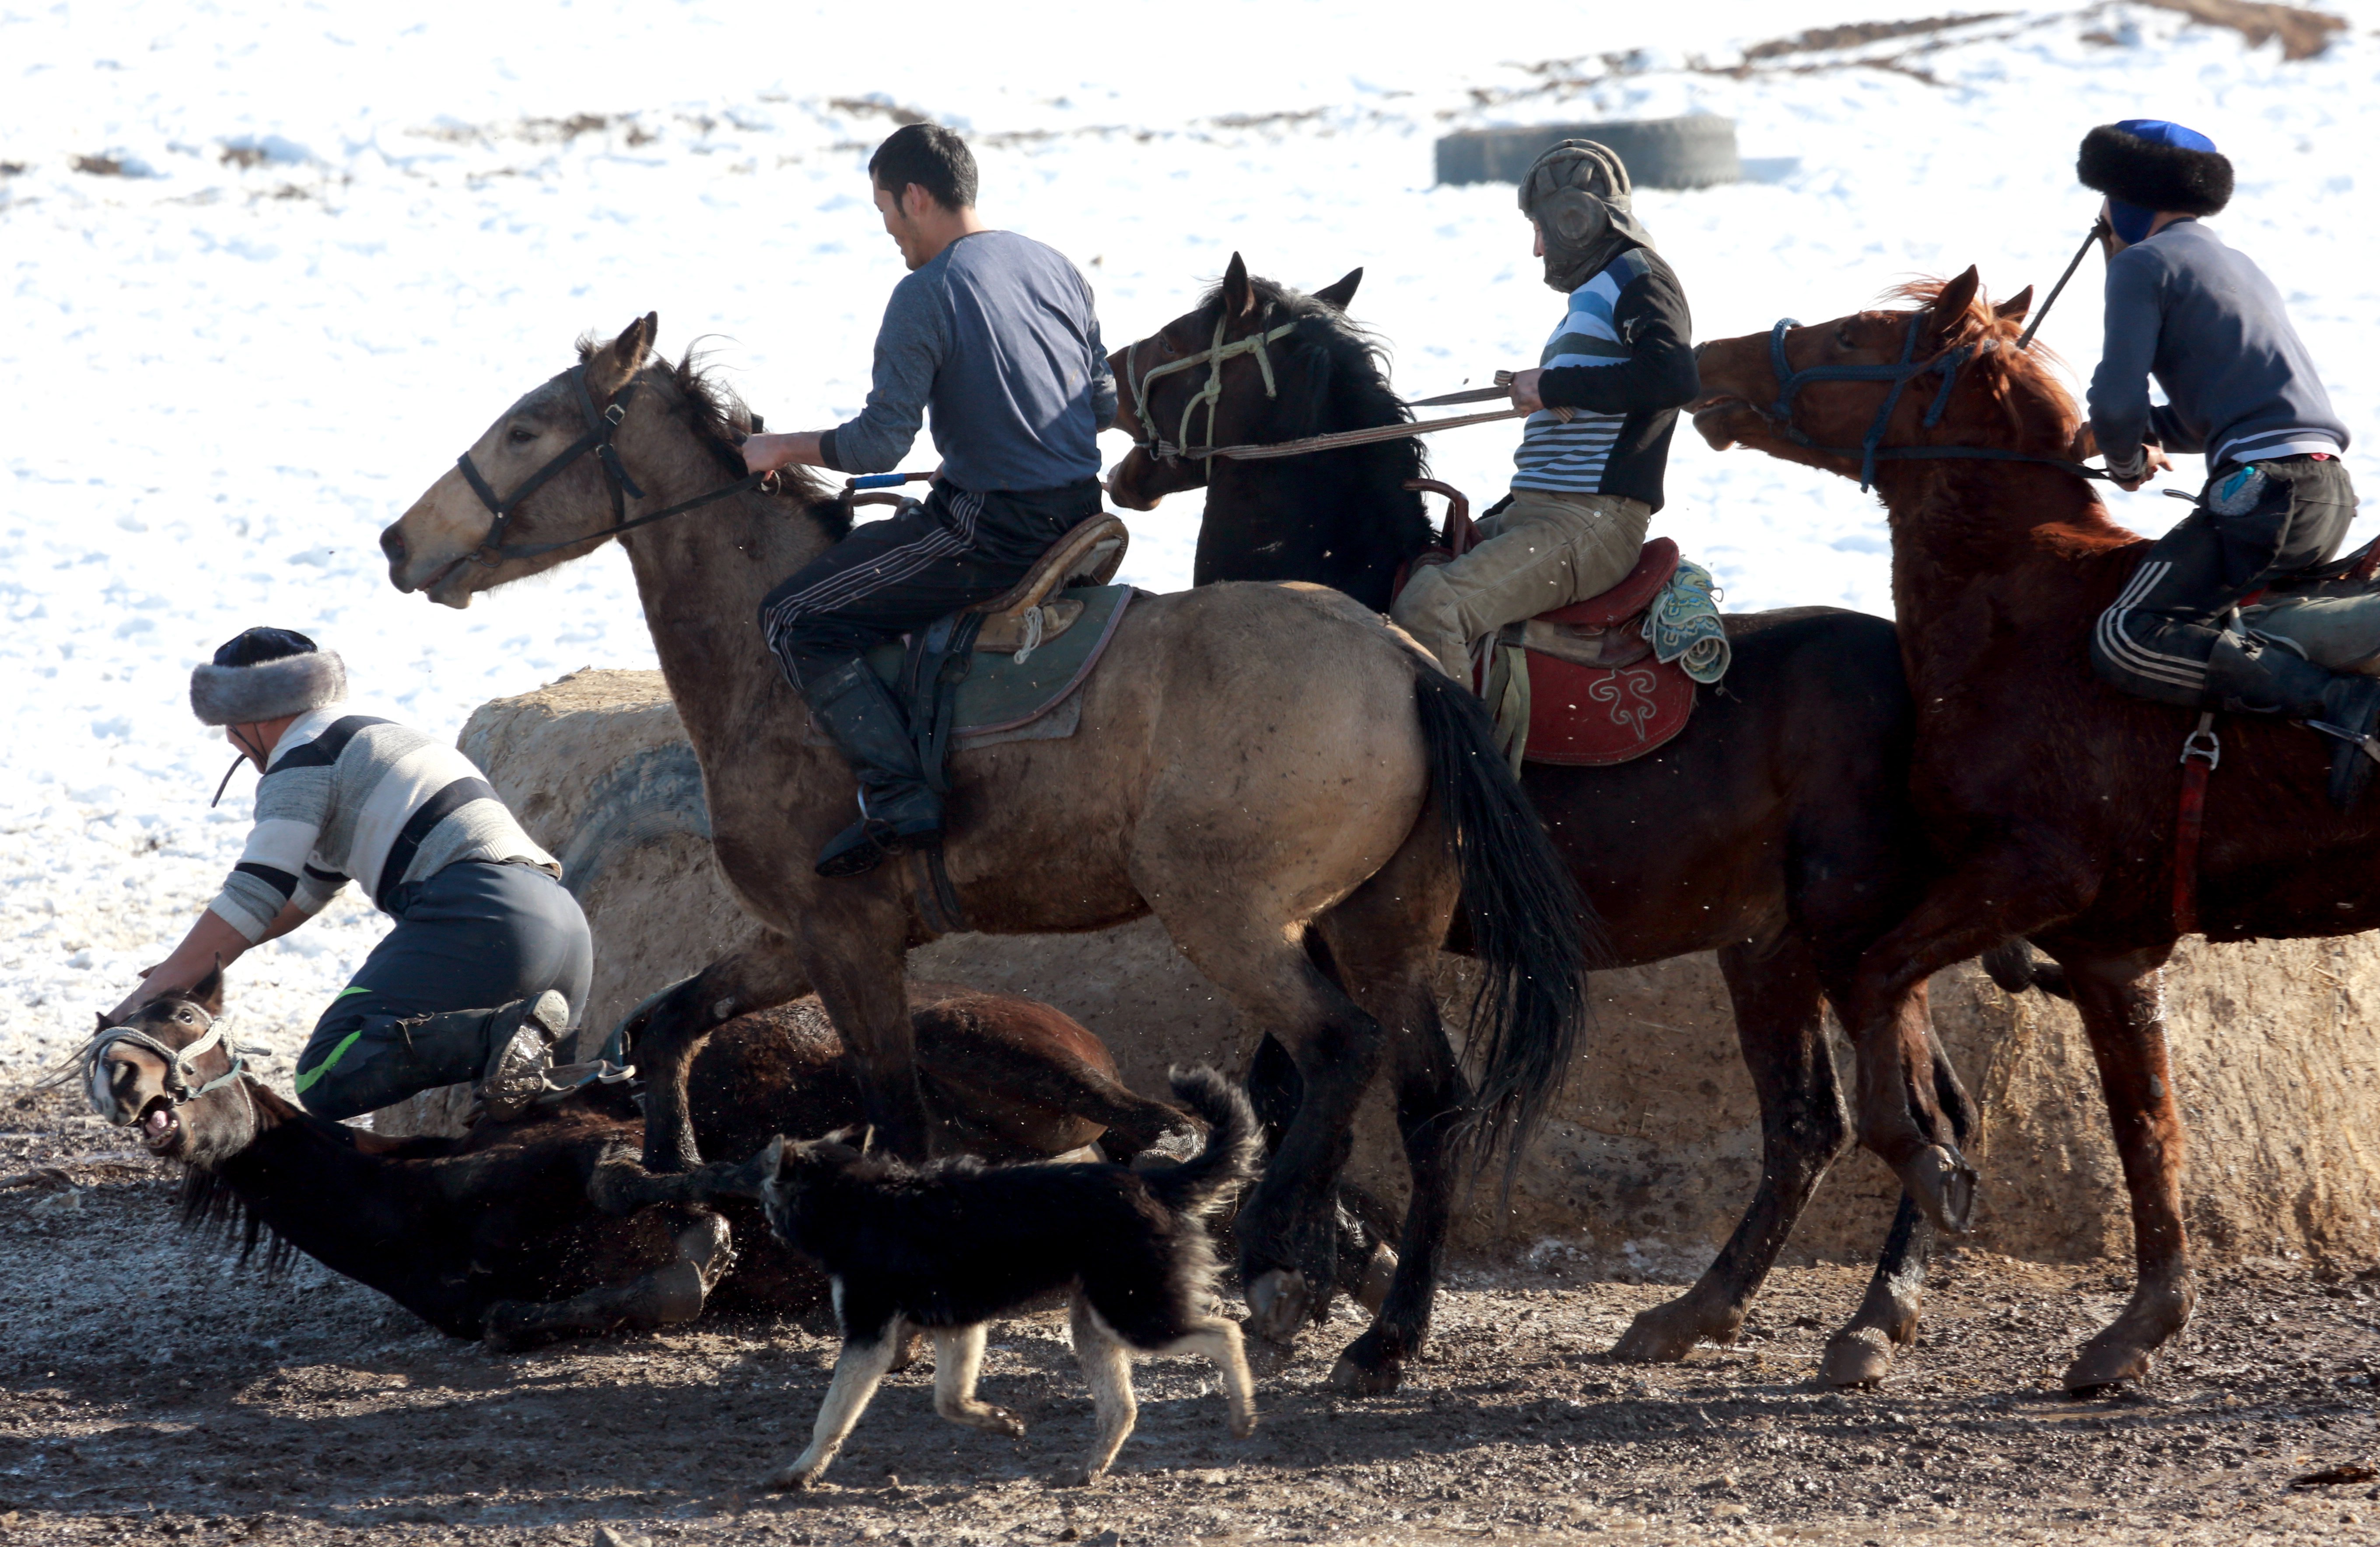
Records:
x=2206, y=322
x=997, y=334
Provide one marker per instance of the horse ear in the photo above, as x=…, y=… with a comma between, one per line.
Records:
x=100, y=1017
x=209, y=990
x=609, y=368
x=1239, y=296
x=1950, y=306
x=2013, y=309
x=1342, y=290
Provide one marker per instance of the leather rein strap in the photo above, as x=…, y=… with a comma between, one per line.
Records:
x=601, y=424
x=2201, y=753
x=1872, y=449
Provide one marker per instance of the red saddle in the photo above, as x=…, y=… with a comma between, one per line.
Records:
x=1597, y=696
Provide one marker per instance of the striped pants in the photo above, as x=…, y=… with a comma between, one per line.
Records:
x=953, y=550
x=2155, y=640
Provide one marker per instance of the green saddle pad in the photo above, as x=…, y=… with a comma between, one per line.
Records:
x=1001, y=694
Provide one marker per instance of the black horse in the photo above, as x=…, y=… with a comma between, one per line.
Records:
x=1776, y=829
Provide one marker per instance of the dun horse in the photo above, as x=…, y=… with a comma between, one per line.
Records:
x=2051, y=799
x=497, y=1235
x=1262, y=767
x=1775, y=829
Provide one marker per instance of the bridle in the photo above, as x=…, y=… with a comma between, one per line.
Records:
x=1213, y=356
x=180, y=1066
x=601, y=424
x=1872, y=449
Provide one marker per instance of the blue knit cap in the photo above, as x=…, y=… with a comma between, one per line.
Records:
x=2133, y=221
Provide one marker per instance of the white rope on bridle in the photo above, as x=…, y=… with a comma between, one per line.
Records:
x=180, y=1066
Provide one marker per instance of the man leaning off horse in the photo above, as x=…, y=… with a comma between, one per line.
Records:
x=2240, y=386
x=1619, y=366
x=995, y=333
x=489, y=961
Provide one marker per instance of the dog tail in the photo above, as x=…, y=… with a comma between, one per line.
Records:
x=1234, y=1145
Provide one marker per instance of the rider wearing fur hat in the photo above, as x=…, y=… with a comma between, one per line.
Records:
x=482, y=916
x=2240, y=388
x=1613, y=375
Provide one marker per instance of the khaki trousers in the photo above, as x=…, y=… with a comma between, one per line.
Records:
x=1543, y=550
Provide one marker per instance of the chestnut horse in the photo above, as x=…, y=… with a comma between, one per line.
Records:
x=2051, y=799
x=1265, y=768
x=1775, y=829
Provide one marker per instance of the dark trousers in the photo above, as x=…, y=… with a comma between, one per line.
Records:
x=2156, y=639
x=474, y=936
x=954, y=549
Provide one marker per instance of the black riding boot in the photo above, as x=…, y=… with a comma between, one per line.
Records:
x=897, y=811
x=2247, y=676
x=505, y=1051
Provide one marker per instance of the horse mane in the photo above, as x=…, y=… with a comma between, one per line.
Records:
x=1353, y=387
x=2022, y=383
x=721, y=417
x=216, y=1213
x=1358, y=499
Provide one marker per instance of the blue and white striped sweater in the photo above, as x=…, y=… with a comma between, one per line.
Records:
x=1571, y=456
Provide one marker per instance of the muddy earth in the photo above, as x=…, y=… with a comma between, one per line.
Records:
x=149, y=1388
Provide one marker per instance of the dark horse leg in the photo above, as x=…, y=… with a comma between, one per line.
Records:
x=1379, y=942
x=665, y=1033
x=1971, y=911
x=1859, y=1353
x=664, y=1297
x=2122, y=1001
x=1781, y=1023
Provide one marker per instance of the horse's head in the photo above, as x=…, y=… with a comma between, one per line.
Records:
x=1945, y=374
x=436, y=546
x=1244, y=367
x=189, y=1102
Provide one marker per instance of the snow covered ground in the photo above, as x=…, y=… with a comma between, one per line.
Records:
x=271, y=265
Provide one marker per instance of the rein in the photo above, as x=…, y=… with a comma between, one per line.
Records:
x=1212, y=393
x=600, y=427
x=180, y=1068
x=1872, y=449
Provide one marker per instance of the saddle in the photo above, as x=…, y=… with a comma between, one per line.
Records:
x=1027, y=615
x=1578, y=686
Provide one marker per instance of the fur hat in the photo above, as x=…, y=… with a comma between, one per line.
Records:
x=264, y=673
x=2155, y=165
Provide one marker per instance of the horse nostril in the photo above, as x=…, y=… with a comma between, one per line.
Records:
x=391, y=543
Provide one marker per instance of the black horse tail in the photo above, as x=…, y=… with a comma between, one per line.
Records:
x=1532, y=929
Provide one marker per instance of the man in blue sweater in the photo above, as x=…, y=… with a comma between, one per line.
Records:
x=996, y=334
x=2241, y=389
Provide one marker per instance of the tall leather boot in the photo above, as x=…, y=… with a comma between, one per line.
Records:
x=897, y=811
x=509, y=1048
x=2247, y=676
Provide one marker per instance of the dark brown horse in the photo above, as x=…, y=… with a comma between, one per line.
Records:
x=1775, y=829
x=2051, y=799
x=497, y=1235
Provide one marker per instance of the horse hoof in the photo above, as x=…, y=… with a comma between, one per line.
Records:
x=1279, y=1305
x=1943, y=1184
x=1351, y=1378
x=1857, y=1356
x=2096, y=1368
x=1656, y=1337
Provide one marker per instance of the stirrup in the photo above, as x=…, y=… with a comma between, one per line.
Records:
x=2350, y=774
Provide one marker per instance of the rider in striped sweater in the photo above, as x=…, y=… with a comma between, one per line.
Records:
x=489, y=956
x=1607, y=393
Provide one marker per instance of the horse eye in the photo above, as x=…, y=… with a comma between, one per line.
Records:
x=1167, y=344
x=1844, y=339
x=521, y=434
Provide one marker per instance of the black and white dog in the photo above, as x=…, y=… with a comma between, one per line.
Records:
x=950, y=1245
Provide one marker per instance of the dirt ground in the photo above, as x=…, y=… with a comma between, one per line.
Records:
x=148, y=1388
